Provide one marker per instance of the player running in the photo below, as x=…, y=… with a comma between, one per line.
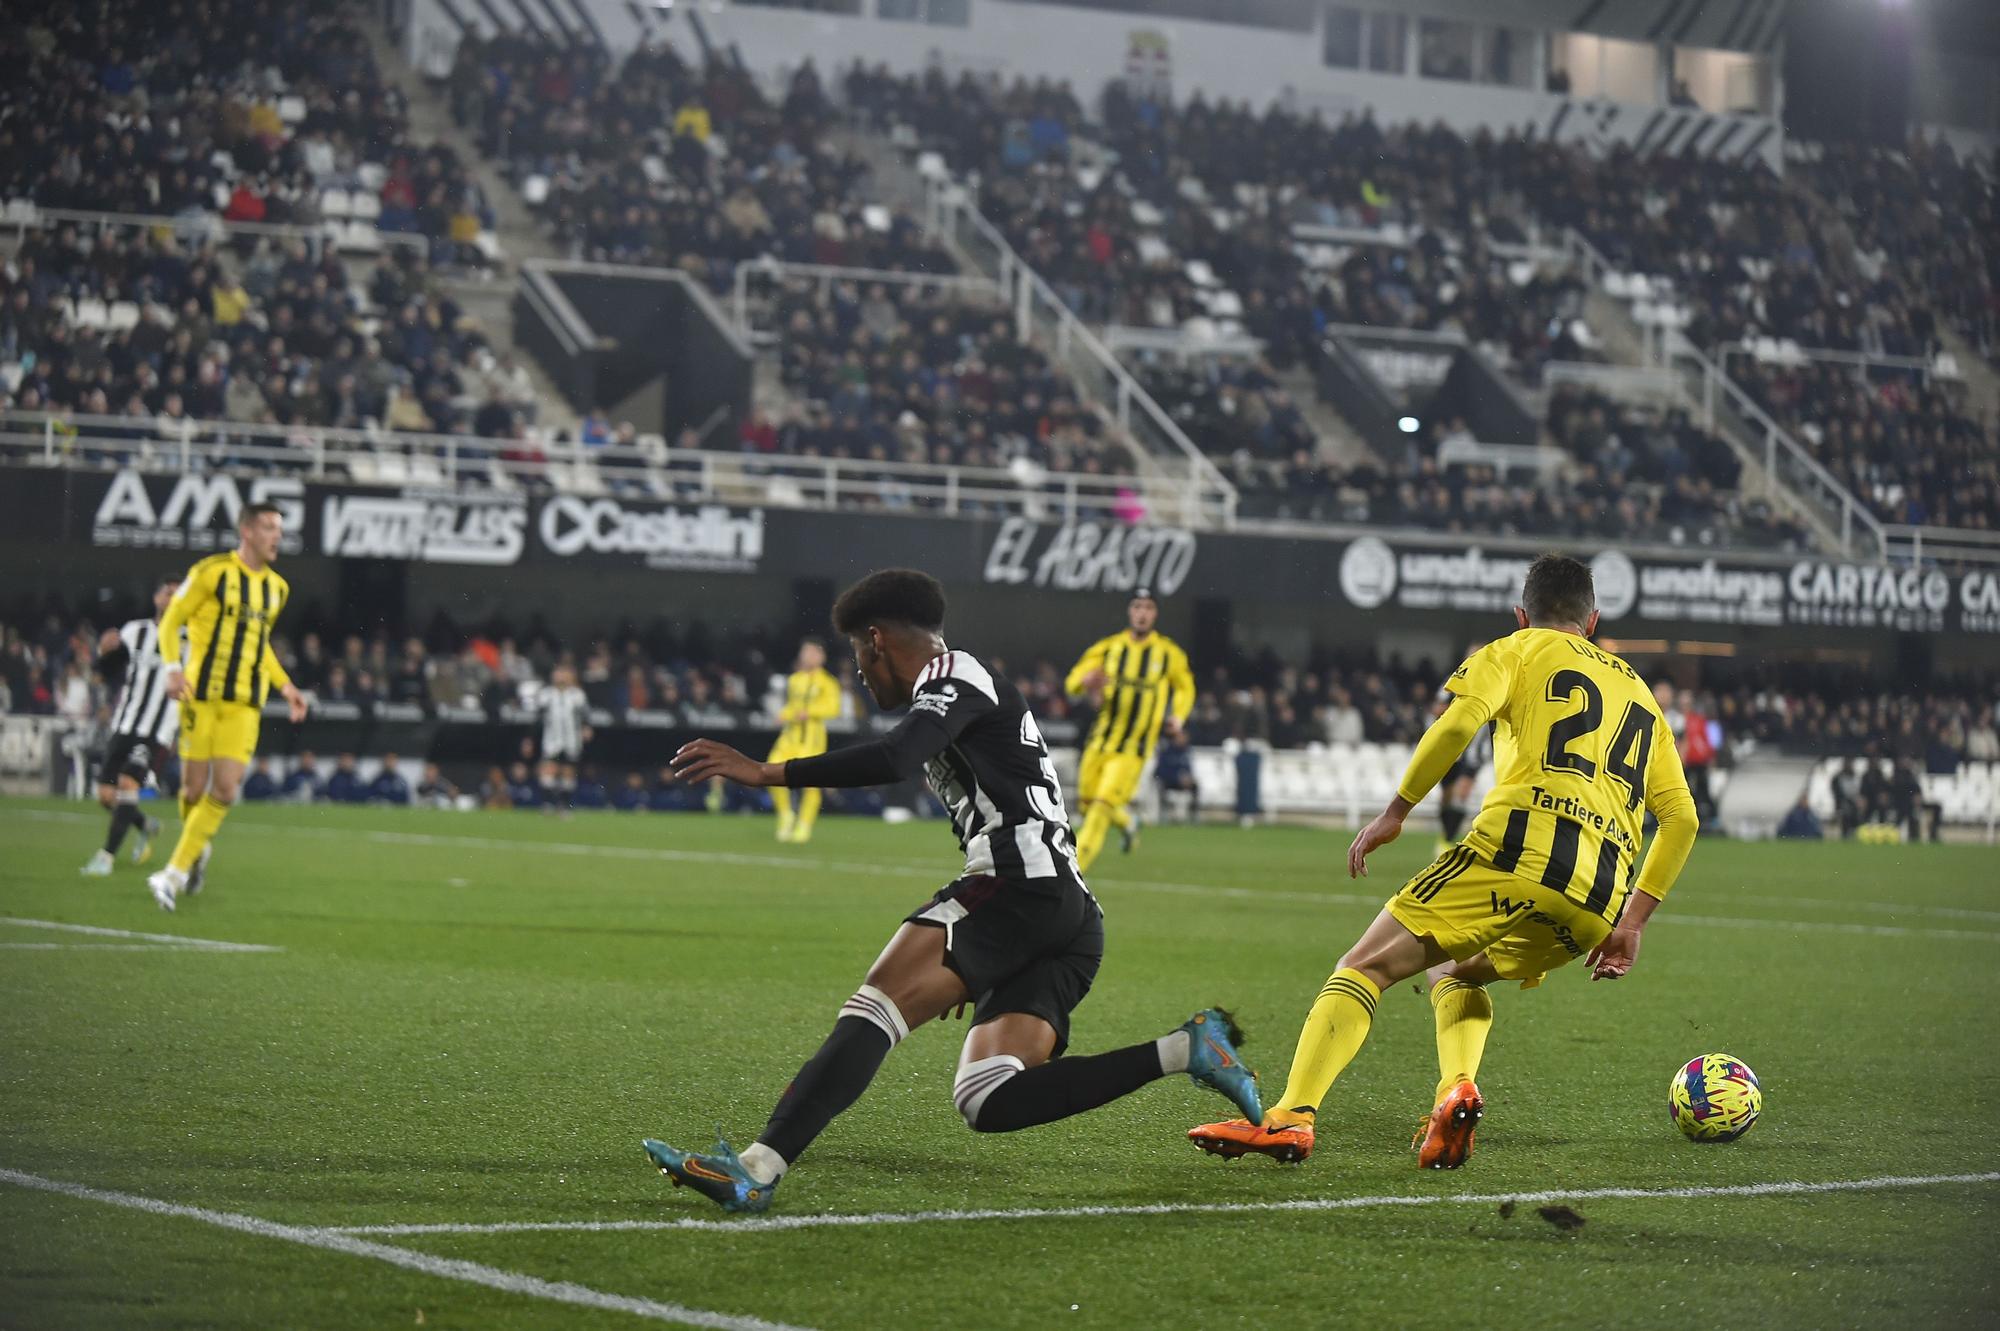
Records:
x=1017, y=934
x=1543, y=877
x=142, y=726
x=227, y=604
x=812, y=698
x=565, y=711
x=1147, y=688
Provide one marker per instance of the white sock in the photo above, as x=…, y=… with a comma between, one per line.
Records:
x=1173, y=1052
x=764, y=1164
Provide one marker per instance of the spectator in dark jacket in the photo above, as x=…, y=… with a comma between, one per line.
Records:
x=1801, y=824
x=303, y=782
x=390, y=786
x=345, y=786
x=260, y=785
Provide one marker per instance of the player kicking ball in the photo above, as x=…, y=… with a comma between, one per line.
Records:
x=1543, y=877
x=1017, y=934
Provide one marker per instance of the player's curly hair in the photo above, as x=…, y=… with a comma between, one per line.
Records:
x=890, y=596
x=1558, y=590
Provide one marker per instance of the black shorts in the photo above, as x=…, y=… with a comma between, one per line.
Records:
x=562, y=757
x=1461, y=769
x=128, y=755
x=1021, y=945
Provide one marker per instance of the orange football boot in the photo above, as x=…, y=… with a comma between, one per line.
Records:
x=1287, y=1143
x=1445, y=1139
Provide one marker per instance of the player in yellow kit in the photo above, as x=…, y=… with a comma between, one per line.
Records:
x=1147, y=687
x=1543, y=877
x=227, y=603
x=812, y=698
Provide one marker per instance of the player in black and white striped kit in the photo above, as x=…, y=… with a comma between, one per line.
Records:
x=1455, y=791
x=565, y=730
x=143, y=728
x=1017, y=934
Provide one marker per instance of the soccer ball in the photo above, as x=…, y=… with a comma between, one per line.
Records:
x=1715, y=1098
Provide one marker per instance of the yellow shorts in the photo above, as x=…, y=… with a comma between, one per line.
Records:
x=785, y=750
x=218, y=730
x=1112, y=778
x=1469, y=907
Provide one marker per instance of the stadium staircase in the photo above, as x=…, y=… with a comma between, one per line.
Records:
x=1624, y=343
x=487, y=299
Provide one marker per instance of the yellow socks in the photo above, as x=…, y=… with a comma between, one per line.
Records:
x=1333, y=1034
x=1090, y=840
x=809, y=801
x=781, y=800
x=187, y=805
x=197, y=830
x=1121, y=817
x=1464, y=1018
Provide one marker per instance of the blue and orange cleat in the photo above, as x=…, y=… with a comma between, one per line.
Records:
x=1213, y=1060
x=1287, y=1143
x=717, y=1175
x=1445, y=1139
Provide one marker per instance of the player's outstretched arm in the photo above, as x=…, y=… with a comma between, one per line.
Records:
x=701, y=759
x=1088, y=672
x=194, y=594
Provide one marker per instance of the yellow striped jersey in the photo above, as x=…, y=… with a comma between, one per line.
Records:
x=228, y=609
x=1580, y=749
x=812, y=698
x=1146, y=680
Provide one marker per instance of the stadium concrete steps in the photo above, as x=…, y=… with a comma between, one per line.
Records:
x=1982, y=383
x=1339, y=443
x=1623, y=344
x=521, y=236
x=1761, y=789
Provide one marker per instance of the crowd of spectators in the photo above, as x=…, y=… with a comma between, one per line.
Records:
x=49, y=666
x=1112, y=208
x=655, y=161
x=258, y=333
x=246, y=110
x=914, y=374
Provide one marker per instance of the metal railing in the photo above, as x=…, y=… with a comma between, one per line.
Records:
x=1779, y=352
x=1787, y=464
x=1042, y=316
x=382, y=459
x=1940, y=545
x=1180, y=344
x=21, y=217
x=747, y=306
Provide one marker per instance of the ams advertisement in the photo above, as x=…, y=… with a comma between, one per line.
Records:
x=196, y=514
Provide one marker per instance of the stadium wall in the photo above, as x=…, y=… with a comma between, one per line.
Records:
x=595, y=560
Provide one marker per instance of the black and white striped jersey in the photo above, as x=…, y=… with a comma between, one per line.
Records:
x=144, y=709
x=995, y=777
x=564, y=711
x=1478, y=753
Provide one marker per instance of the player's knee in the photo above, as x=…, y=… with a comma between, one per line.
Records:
x=977, y=1081
x=879, y=1010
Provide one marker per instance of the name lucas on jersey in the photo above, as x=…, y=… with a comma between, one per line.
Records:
x=1571, y=807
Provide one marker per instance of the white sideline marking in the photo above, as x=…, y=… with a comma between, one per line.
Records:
x=99, y=947
x=175, y=942
x=770, y=1224
x=802, y=864
x=447, y=1268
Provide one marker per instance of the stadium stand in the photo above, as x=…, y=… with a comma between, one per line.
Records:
x=235, y=110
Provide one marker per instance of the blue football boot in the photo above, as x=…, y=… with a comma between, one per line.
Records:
x=717, y=1175
x=1213, y=1060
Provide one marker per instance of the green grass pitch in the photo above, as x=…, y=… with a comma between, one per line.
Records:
x=473, y=1019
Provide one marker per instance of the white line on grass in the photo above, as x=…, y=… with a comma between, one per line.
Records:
x=102, y=947
x=1282, y=896
x=772, y=1224
x=177, y=941
x=447, y=1268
